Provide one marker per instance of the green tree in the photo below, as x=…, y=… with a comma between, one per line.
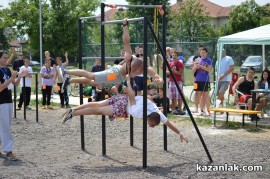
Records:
x=190, y=19
x=245, y=16
x=59, y=23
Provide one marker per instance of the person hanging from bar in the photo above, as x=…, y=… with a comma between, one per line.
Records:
x=119, y=104
x=116, y=74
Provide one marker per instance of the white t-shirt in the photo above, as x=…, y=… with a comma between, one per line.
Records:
x=225, y=64
x=59, y=70
x=137, y=110
x=27, y=79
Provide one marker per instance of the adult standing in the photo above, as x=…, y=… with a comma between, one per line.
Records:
x=226, y=68
x=96, y=68
x=18, y=62
x=63, y=93
x=202, y=83
x=47, y=74
x=53, y=64
x=6, y=106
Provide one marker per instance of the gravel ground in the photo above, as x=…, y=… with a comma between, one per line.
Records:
x=49, y=149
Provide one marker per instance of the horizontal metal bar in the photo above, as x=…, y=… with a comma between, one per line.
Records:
x=91, y=17
x=143, y=6
x=121, y=21
x=108, y=58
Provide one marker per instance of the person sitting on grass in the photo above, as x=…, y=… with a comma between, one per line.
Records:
x=117, y=105
x=115, y=74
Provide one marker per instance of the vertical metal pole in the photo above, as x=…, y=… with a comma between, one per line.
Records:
x=145, y=46
x=102, y=38
x=131, y=119
x=15, y=98
x=40, y=31
x=24, y=99
x=36, y=97
x=165, y=143
x=81, y=93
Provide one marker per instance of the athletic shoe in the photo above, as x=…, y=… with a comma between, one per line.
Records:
x=11, y=156
x=174, y=112
x=49, y=107
x=67, y=115
x=68, y=106
x=19, y=108
x=180, y=112
x=195, y=111
x=28, y=108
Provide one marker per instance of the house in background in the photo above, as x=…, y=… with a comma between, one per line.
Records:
x=219, y=14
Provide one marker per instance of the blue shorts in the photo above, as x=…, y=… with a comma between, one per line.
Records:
x=139, y=83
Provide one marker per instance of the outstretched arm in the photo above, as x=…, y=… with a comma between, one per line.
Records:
x=130, y=92
x=11, y=56
x=67, y=61
x=173, y=128
x=156, y=78
x=126, y=41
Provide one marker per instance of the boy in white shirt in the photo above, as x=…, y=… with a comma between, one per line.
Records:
x=117, y=105
x=28, y=84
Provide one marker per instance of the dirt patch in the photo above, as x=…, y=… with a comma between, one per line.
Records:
x=50, y=150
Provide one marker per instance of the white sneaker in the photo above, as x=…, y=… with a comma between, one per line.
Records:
x=195, y=111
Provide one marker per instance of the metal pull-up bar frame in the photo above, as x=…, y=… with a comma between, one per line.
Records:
x=146, y=25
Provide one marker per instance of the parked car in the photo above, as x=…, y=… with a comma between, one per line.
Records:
x=189, y=61
x=255, y=62
x=34, y=63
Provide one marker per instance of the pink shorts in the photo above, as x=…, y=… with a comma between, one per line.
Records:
x=119, y=104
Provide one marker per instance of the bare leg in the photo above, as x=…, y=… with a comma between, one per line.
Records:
x=84, y=81
x=197, y=100
x=221, y=98
x=82, y=73
x=93, y=105
x=105, y=110
x=207, y=100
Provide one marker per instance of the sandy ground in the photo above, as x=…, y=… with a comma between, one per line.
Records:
x=49, y=149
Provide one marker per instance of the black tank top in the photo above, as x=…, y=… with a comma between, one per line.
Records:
x=246, y=86
x=5, y=95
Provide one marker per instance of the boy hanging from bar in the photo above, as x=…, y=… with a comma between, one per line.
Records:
x=115, y=74
x=118, y=106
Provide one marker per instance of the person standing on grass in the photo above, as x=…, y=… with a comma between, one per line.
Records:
x=7, y=78
x=63, y=93
x=27, y=87
x=47, y=74
x=224, y=75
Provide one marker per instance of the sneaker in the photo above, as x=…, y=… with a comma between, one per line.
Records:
x=253, y=119
x=19, y=108
x=195, y=111
x=174, y=112
x=180, y=112
x=11, y=156
x=49, y=107
x=62, y=106
x=67, y=115
x=65, y=83
x=68, y=106
x=28, y=108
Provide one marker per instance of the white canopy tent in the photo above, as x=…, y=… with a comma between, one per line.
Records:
x=256, y=36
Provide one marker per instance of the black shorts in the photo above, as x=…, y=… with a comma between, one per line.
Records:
x=139, y=83
x=202, y=86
